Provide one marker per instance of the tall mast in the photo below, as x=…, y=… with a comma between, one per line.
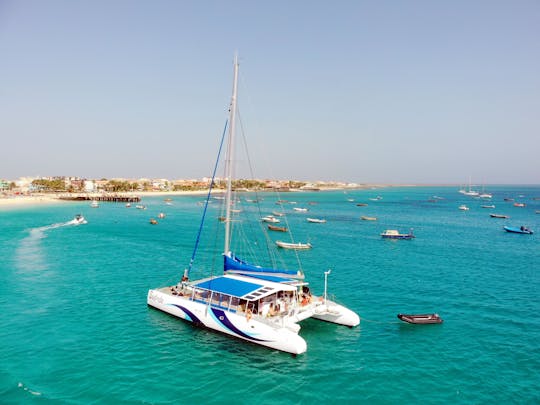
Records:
x=229, y=159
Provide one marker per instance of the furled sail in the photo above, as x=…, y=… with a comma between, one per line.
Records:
x=232, y=264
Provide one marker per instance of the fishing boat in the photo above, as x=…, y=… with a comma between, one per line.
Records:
x=292, y=245
x=420, y=318
x=257, y=304
x=498, y=216
x=394, y=234
x=521, y=229
x=277, y=228
x=316, y=220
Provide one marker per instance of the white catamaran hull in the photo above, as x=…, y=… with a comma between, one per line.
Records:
x=231, y=323
x=336, y=313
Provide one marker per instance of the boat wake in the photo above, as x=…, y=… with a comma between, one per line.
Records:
x=29, y=255
x=22, y=386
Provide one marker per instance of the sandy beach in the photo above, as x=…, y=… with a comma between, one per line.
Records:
x=42, y=199
x=16, y=200
x=27, y=200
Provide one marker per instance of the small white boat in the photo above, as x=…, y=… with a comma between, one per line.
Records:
x=94, y=204
x=488, y=206
x=316, y=220
x=364, y=218
x=463, y=207
x=128, y=205
x=161, y=215
x=298, y=209
x=394, y=234
x=271, y=219
x=78, y=220
x=295, y=246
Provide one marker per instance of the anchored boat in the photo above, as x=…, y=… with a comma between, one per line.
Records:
x=261, y=305
x=394, y=234
x=521, y=229
x=420, y=318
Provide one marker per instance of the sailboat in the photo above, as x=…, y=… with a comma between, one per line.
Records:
x=261, y=305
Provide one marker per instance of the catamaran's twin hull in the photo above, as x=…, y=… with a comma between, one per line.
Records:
x=284, y=338
x=336, y=313
x=231, y=323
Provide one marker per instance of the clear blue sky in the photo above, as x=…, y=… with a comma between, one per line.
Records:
x=359, y=91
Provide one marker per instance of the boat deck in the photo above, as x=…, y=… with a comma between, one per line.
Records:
x=296, y=309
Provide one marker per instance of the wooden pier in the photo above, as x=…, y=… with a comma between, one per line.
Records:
x=101, y=197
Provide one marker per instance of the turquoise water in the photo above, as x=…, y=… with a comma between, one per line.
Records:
x=76, y=327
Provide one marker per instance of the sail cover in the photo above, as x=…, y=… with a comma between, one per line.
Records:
x=232, y=264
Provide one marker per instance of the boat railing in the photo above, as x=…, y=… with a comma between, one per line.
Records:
x=212, y=298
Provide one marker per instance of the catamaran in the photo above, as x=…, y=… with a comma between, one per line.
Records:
x=261, y=305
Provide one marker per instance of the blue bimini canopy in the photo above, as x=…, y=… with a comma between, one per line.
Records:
x=229, y=286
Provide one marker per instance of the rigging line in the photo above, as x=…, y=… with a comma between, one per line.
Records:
x=269, y=167
x=207, y=201
x=252, y=174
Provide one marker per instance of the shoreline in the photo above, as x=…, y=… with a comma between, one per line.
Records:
x=24, y=200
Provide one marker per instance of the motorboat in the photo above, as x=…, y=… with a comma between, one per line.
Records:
x=270, y=218
x=463, y=207
x=294, y=246
x=394, y=234
x=316, y=220
x=277, y=228
x=521, y=229
x=498, y=216
x=364, y=218
x=78, y=220
x=420, y=318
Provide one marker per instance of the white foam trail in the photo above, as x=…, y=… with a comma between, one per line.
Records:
x=29, y=255
x=21, y=385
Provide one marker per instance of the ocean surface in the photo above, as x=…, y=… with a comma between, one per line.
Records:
x=75, y=327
